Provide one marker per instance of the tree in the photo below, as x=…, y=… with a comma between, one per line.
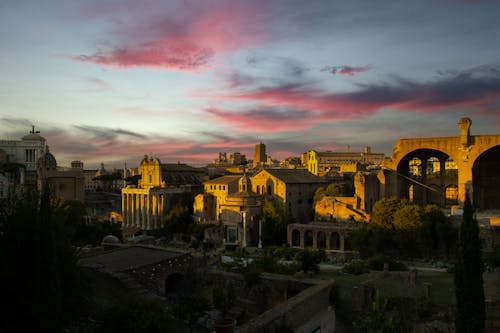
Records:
x=134, y=314
x=437, y=232
x=342, y=189
x=178, y=219
x=384, y=210
x=274, y=223
x=407, y=217
x=42, y=284
x=469, y=270
x=339, y=190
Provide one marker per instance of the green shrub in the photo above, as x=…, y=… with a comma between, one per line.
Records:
x=356, y=267
x=377, y=262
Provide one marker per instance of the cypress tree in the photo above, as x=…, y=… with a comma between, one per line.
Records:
x=469, y=269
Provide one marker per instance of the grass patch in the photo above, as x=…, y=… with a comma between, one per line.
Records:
x=391, y=284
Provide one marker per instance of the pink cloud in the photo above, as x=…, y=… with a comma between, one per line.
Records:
x=345, y=70
x=478, y=88
x=265, y=120
x=299, y=97
x=187, y=41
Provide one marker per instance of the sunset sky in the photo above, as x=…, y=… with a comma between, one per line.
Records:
x=110, y=81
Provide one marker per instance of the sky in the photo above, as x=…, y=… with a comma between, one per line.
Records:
x=110, y=81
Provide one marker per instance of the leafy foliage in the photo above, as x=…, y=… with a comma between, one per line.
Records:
x=189, y=308
x=223, y=299
x=178, y=219
x=402, y=228
x=385, y=316
x=71, y=213
x=43, y=286
x=134, y=314
x=356, y=267
x=109, y=177
x=309, y=259
x=274, y=223
x=384, y=211
x=342, y=189
x=469, y=275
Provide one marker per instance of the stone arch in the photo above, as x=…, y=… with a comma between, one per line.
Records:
x=173, y=283
x=415, y=174
x=485, y=180
x=295, y=237
x=335, y=241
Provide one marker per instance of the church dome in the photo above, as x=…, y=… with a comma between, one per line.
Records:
x=47, y=161
x=33, y=137
x=245, y=184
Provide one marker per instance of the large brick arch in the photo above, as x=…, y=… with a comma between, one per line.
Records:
x=486, y=179
x=423, y=190
x=464, y=149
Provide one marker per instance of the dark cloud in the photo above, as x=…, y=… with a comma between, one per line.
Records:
x=102, y=133
x=475, y=88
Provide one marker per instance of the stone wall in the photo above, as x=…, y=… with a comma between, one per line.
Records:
x=154, y=276
x=308, y=310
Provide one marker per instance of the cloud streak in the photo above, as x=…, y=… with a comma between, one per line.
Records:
x=345, y=70
x=477, y=88
x=265, y=120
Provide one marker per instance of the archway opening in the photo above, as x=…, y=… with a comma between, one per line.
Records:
x=321, y=240
x=423, y=175
x=295, y=238
x=308, y=238
x=485, y=180
x=335, y=241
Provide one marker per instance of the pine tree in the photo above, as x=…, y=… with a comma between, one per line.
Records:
x=469, y=269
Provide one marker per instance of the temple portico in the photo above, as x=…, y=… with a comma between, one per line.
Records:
x=144, y=208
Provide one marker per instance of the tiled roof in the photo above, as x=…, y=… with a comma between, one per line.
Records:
x=224, y=179
x=295, y=176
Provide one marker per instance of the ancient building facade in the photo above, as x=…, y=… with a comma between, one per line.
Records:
x=26, y=151
x=207, y=205
x=62, y=183
x=18, y=161
x=293, y=188
x=319, y=163
x=476, y=159
x=145, y=205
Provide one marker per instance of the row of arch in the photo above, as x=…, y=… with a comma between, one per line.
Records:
x=318, y=239
x=430, y=176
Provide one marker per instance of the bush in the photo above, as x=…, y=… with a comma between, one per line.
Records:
x=133, y=313
x=356, y=267
x=377, y=262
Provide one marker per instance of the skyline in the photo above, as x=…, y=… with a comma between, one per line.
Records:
x=110, y=81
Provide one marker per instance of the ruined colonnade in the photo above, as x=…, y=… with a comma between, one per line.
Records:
x=144, y=209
